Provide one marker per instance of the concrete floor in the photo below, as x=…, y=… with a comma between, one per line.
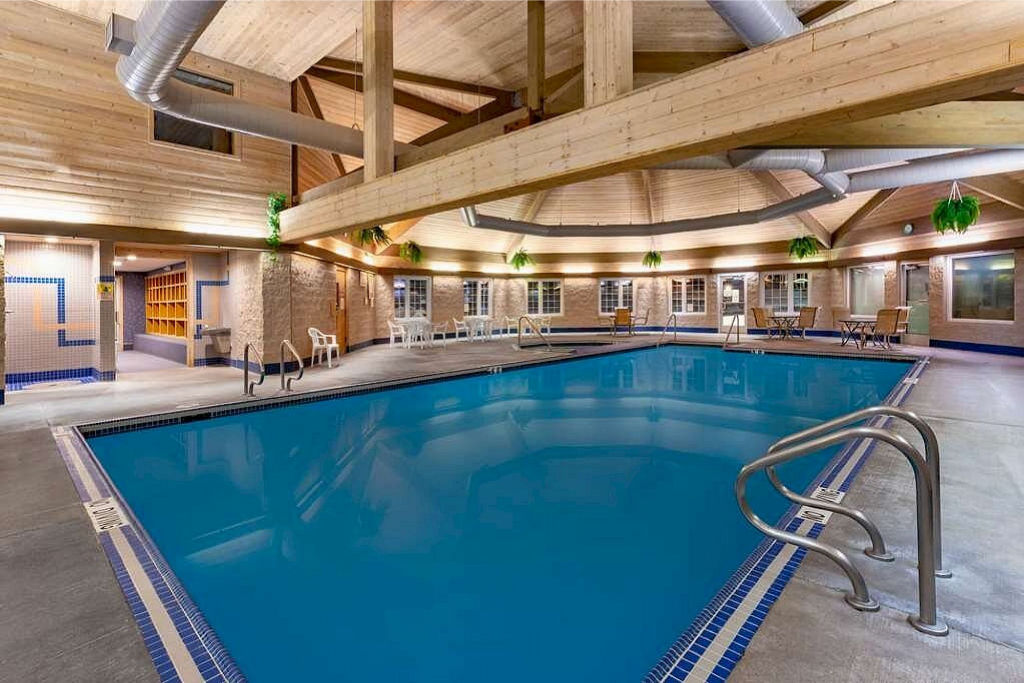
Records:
x=62, y=617
x=137, y=361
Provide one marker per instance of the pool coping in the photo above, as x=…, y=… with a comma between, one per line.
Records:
x=181, y=643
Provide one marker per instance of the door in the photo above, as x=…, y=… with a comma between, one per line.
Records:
x=732, y=297
x=340, y=323
x=915, y=295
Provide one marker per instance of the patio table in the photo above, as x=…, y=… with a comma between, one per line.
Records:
x=854, y=328
x=417, y=328
x=784, y=322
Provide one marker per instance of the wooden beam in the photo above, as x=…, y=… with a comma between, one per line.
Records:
x=535, y=55
x=294, y=152
x=133, y=235
x=645, y=181
x=536, y=204
x=379, y=92
x=402, y=98
x=314, y=107
x=352, y=67
x=646, y=62
x=951, y=124
x=515, y=245
x=861, y=214
x=397, y=230
x=476, y=117
x=567, y=96
x=934, y=52
x=771, y=182
x=998, y=187
x=607, y=50
x=822, y=10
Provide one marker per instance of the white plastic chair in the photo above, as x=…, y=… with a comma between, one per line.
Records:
x=511, y=325
x=397, y=332
x=544, y=323
x=439, y=329
x=323, y=344
x=461, y=326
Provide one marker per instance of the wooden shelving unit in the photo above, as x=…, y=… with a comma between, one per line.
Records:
x=167, y=304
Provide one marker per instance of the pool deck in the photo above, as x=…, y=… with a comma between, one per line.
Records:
x=63, y=618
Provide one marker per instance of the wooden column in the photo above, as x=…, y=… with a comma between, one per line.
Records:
x=535, y=56
x=378, y=90
x=294, y=192
x=607, y=50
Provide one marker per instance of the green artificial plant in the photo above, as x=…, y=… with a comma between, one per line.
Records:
x=956, y=212
x=276, y=203
x=521, y=259
x=803, y=247
x=652, y=259
x=376, y=237
x=411, y=252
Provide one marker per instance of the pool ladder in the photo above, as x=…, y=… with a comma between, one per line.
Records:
x=926, y=480
x=536, y=329
x=734, y=324
x=675, y=329
x=249, y=387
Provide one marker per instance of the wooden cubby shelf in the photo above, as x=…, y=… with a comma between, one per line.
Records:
x=167, y=304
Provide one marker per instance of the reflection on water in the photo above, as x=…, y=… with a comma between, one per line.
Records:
x=432, y=531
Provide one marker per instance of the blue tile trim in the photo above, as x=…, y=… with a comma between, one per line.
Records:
x=62, y=339
x=973, y=346
x=107, y=278
x=19, y=380
x=679, y=661
x=2, y=398
x=810, y=333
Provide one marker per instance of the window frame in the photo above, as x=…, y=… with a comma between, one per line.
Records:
x=618, y=297
x=407, y=278
x=949, y=287
x=684, y=281
x=540, y=296
x=790, y=283
x=490, y=295
x=236, y=138
x=849, y=289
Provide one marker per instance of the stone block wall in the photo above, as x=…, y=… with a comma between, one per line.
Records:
x=311, y=300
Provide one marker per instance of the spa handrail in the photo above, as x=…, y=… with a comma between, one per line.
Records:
x=735, y=322
x=926, y=620
x=931, y=455
x=536, y=329
x=249, y=388
x=675, y=329
x=302, y=368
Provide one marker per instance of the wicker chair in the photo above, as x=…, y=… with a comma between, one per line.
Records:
x=840, y=313
x=886, y=327
x=808, y=314
x=763, y=321
x=622, y=318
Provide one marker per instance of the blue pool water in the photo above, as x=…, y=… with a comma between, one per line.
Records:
x=560, y=523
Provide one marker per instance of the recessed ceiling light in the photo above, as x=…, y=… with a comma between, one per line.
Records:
x=117, y=263
x=908, y=228
x=51, y=240
x=131, y=257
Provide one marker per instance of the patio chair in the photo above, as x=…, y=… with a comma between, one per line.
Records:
x=461, y=326
x=763, y=321
x=397, y=332
x=439, y=329
x=622, y=318
x=544, y=323
x=808, y=314
x=323, y=344
x=885, y=327
x=901, y=321
x=641, y=321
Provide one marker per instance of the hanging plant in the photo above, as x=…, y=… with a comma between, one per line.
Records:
x=652, y=259
x=275, y=205
x=376, y=237
x=410, y=251
x=956, y=212
x=803, y=247
x=521, y=259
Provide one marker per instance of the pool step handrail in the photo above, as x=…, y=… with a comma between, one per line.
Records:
x=734, y=323
x=800, y=445
x=675, y=329
x=286, y=382
x=536, y=329
x=249, y=388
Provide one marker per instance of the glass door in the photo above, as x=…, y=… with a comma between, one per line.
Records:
x=732, y=296
x=915, y=295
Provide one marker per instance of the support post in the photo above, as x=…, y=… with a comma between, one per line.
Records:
x=607, y=50
x=105, y=359
x=378, y=90
x=535, y=47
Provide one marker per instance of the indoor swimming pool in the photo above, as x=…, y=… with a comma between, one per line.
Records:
x=561, y=522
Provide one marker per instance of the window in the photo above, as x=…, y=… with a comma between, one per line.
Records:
x=981, y=287
x=476, y=297
x=786, y=292
x=616, y=294
x=412, y=297
x=167, y=128
x=867, y=290
x=544, y=297
x=689, y=295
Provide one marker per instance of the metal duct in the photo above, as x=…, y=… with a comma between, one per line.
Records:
x=939, y=170
x=757, y=22
x=846, y=159
x=810, y=161
x=163, y=35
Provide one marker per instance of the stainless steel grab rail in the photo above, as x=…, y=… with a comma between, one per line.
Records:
x=249, y=388
x=302, y=368
x=735, y=322
x=931, y=454
x=926, y=620
x=536, y=329
x=675, y=329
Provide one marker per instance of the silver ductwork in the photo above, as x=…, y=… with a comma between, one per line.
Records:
x=757, y=22
x=939, y=170
x=847, y=159
x=154, y=48
x=810, y=161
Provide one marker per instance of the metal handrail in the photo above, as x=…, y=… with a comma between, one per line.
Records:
x=735, y=322
x=926, y=620
x=302, y=367
x=249, y=388
x=675, y=329
x=535, y=329
x=931, y=454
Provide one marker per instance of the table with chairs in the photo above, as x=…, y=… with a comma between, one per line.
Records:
x=878, y=330
x=785, y=325
x=623, y=319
